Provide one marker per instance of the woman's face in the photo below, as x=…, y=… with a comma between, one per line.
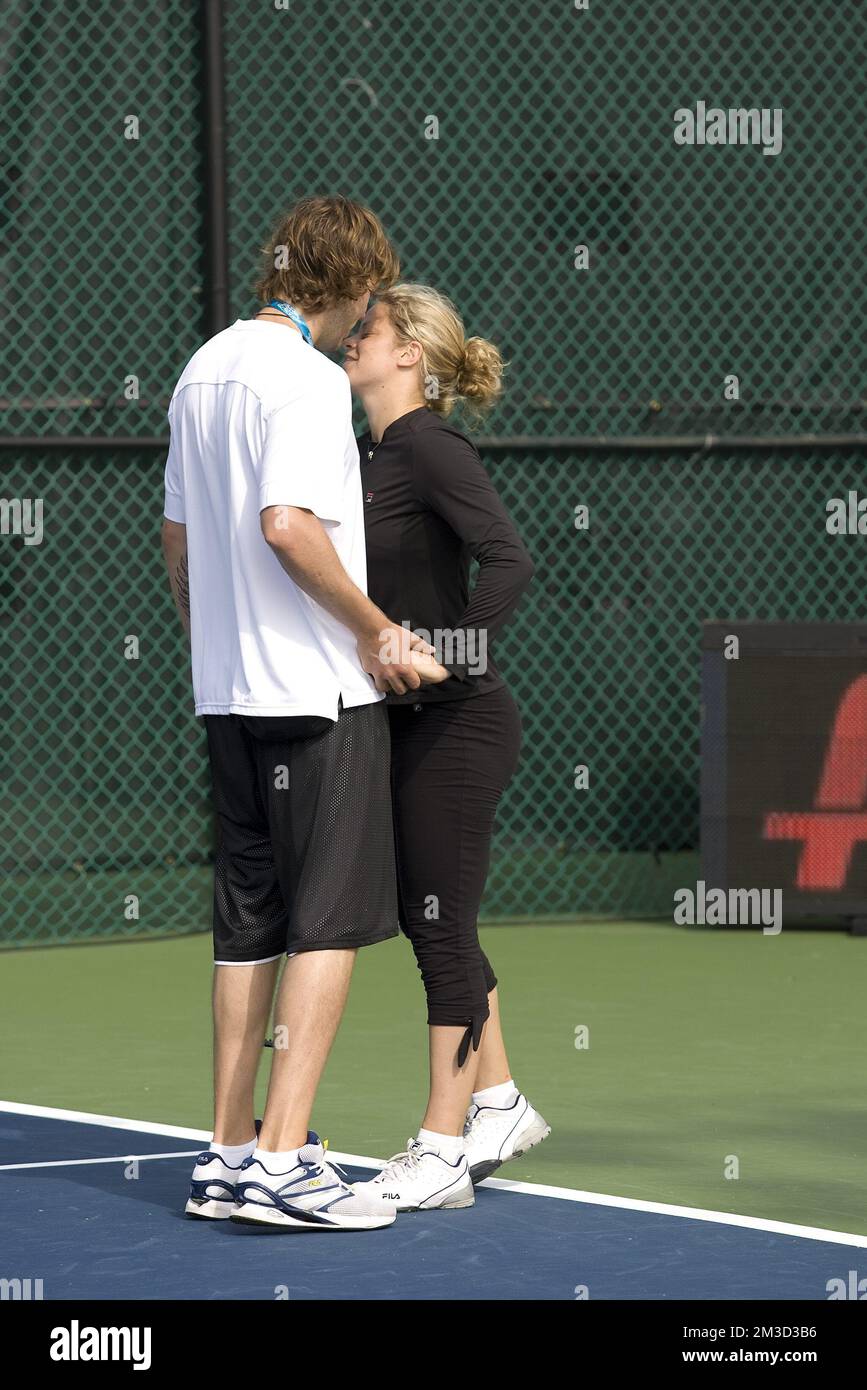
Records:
x=373, y=356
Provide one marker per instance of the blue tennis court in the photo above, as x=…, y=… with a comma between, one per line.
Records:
x=95, y=1210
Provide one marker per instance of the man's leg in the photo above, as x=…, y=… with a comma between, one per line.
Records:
x=242, y=1003
x=331, y=830
x=250, y=925
x=310, y=1003
x=331, y=834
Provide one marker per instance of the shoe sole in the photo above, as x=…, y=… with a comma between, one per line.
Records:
x=209, y=1210
x=444, y=1206
x=251, y=1214
x=534, y=1136
x=456, y=1203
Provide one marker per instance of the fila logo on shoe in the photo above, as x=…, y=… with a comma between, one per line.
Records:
x=391, y=1196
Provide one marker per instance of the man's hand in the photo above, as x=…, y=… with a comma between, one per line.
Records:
x=306, y=553
x=387, y=656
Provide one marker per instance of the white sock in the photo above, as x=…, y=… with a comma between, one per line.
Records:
x=500, y=1097
x=448, y=1146
x=234, y=1154
x=277, y=1162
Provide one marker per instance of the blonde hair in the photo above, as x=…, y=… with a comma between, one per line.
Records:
x=453, y=367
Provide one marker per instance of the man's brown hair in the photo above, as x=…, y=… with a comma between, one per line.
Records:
x=324, y=250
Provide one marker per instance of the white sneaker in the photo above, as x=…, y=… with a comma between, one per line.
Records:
x=492, y=1136
x=420, y=1179
x=312, y=1196
x=212, y=1187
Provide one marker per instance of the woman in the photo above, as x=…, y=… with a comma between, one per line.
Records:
x=429, y=508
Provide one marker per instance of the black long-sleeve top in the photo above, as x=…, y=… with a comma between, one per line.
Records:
x=429, y=508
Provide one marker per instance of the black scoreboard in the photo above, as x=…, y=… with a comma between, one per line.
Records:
x=784, y=764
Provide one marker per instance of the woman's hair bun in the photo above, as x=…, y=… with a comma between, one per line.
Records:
x=480, y=376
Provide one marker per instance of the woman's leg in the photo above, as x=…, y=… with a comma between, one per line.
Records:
x=450, y=764
x=451, y=1086
x=493, y=1068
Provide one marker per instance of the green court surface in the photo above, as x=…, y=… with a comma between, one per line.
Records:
x=703, y=1045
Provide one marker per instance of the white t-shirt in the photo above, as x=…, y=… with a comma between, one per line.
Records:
x=259, y=418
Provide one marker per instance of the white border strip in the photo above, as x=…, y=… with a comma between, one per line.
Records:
x=80, y=1162
x=566, y=1194
x=84, y=1117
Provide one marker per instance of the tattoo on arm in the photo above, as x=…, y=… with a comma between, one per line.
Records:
x=182, y=582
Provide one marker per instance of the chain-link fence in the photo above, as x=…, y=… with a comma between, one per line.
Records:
x=554, y=130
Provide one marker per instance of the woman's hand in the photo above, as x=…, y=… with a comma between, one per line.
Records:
x=385, y=656
x=428, y=668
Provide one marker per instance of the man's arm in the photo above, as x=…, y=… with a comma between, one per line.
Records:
x=303, y=548
x=175, y=556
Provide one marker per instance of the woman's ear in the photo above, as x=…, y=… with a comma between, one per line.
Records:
x=410, y=354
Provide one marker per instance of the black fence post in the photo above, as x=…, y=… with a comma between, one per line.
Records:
x=216, y=230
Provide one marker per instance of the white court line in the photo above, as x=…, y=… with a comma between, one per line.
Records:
x=50, y=1112
x=78, y=1162
x=565, y=1194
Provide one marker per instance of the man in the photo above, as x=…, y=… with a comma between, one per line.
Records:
x=263, y=538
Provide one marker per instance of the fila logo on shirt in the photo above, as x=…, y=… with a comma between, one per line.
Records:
x=368, y=497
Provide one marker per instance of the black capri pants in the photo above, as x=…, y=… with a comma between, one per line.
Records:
x=450, y=762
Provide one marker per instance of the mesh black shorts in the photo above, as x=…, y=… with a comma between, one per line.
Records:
x=305, y=853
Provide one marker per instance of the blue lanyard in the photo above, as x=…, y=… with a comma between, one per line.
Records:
x=294, y=315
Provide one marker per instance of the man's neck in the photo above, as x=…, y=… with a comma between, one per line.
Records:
x=313, y=321
x=383, y=407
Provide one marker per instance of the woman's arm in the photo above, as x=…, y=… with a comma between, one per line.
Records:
x=451, y=479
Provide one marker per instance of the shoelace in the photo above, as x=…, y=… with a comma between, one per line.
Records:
x=318, y=1170
x=480, y=1118
x=410, y=1158
x=344, y=1177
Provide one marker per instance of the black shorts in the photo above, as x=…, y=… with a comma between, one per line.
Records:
x=305, y=853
